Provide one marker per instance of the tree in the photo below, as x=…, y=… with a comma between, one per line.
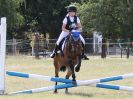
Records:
x=24, y=16
x=9, y=9
x=44, y=16
x=87, y=12
x=113, y=18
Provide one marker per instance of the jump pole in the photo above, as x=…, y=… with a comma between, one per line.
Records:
x=56, y=79
x=69, y=82
x=70, y=85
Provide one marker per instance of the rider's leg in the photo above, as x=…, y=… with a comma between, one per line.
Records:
x=62, y=35
x=83, y=45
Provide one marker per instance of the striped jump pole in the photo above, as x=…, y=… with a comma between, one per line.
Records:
x=44, y=89
x=56, y=79
x=93, y=82
x=70, y=85
x=35, y=76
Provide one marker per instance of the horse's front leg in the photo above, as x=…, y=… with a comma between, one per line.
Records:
x=73, y=71
x=67, y=77
x=73, y=74
x=77, y=68
x=56, y=73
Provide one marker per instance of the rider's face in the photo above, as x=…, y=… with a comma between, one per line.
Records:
x=72, y=14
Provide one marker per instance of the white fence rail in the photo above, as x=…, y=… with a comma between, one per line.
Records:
x=15, y=47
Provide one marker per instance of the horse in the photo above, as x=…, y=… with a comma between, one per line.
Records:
x=70, y=58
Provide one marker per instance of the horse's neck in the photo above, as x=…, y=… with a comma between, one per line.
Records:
x=68, y=37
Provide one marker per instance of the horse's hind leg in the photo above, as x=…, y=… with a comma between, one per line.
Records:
x=67, y=77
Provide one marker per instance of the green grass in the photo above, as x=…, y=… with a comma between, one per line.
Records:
x=94, y=68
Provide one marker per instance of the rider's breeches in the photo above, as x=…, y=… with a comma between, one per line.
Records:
x=65, y=34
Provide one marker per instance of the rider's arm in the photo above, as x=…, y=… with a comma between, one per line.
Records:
x=64, y=25
x=79, y=25
x=64, y=28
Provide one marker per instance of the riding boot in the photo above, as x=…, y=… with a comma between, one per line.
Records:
x=83, y=52
x=55, y=51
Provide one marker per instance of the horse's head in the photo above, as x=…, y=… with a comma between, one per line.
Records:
x=74, y=44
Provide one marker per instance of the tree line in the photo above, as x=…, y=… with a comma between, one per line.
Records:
x=112, y=18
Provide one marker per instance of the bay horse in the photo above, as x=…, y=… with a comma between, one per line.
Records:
x=70, y=58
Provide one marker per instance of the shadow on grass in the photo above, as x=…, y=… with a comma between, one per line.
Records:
x=81, y=94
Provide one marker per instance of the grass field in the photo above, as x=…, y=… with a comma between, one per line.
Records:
x=94, y=68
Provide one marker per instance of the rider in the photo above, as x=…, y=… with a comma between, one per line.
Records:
x=70, y=22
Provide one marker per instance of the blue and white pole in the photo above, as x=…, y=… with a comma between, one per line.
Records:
x=70, y=85
x=44, y=89
x=56, y=79
x=35, y=76
x=114, y=87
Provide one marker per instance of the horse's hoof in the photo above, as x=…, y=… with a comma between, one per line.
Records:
x=77, y=69
x=86, y=58
x=74, y=82
x=55, y=92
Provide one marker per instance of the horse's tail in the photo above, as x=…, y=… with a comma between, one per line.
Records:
x=63, y=68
